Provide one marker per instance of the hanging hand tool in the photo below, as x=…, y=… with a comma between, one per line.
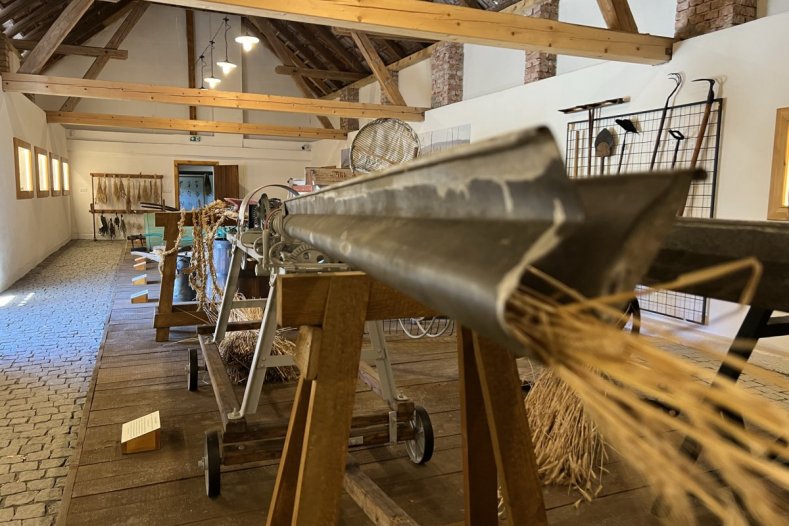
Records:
x=603, y=147
x=629, y=127
x=679, y=137
x=591, y=108
x=677, y=78
x=704, y=121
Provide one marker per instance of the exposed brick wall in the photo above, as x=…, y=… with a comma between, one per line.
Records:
x=698, y=17
x=540, y=65
x=396, y=81
x=349, y=95
x=446, y=66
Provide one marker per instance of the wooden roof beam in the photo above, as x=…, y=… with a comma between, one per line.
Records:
x=456, y=24
x=125, y=91
x=115, y=41
x=68, y=49
x=617, y=15
x=155, y=123
x=385, y=79
x=348, y=76
x=68, y=18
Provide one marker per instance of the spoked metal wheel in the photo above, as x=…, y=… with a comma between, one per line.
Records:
x=192, y=370
x=420, y=449
x=211, y=463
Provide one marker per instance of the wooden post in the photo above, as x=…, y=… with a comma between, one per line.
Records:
x=168, y=274
x=510, y=433
x=323, y=445
x=479, y=464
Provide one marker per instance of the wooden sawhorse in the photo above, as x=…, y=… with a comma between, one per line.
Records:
x=330, y=311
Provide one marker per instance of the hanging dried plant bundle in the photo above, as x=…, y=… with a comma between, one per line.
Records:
x=238, y=348
x=128, y=197
x=116, y=189
x=121, y=190
x=614, y=374
x=101, y=192
x=139, y=194
x=146, y=195
x=157, y=191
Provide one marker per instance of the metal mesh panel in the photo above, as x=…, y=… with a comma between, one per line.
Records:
x=381, y=144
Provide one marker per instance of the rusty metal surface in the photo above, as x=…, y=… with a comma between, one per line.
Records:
x=456, y=231
x=695, y=244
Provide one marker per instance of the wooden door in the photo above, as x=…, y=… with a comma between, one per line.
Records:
x=226, y=181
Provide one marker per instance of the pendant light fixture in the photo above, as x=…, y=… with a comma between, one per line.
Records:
x=202, y=71
x=226, y=65
x=212, y=81
x=247, y=41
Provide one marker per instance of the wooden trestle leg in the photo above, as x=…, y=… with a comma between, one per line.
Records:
x=497, y=386
x=310, y=477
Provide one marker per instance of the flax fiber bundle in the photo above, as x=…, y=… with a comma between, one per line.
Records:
x=613, y=374
x=238, y=348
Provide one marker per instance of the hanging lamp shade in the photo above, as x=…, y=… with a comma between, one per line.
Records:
x=226, y=66
x=247, y=41
x=212, y=82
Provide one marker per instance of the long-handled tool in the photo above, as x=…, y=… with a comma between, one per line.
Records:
x=603, y=147
x=679, y=137
x=677, y=78
x=704, y=121
x=591, y=109
x=629, y=127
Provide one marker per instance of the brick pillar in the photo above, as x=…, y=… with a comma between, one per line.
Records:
x=446, y=66
x=698, y=17
x=349, y=95
x=540, y=65
x=396, y=80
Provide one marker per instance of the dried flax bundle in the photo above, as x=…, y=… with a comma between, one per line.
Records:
x=614, y=374
x=569, y=448
x=238, y=349
x=206, y=222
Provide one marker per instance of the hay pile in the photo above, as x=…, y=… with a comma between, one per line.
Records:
x=617, y=377
x=238, y=349
x=569, y=448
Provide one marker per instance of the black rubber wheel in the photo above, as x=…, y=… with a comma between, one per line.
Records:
x=420, y=449
x=191, y=371
x=211, y=464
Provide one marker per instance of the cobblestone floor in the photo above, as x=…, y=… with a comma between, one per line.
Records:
x=51, y=324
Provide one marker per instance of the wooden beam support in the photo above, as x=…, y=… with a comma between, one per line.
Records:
x=124, y=91
x=320, y=73
x=266, y=32
x=410, y=60
x=115, y=41
x=388, y=84
x=55, y=35
x=456, y=24
x=154, y=123
x=67, y=49
x=191, y=58
x=617, y=15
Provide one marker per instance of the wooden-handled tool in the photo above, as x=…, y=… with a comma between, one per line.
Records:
x=704, y=121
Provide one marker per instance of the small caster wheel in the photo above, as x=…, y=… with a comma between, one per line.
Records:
x=191, y=371
x=211, y=464
x=420, y=449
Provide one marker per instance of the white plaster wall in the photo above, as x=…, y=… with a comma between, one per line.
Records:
x=748, y=61
x=158, y=55
x=260, y=163
x=32, y=229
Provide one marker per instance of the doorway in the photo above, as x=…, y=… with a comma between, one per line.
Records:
x=194, y=183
